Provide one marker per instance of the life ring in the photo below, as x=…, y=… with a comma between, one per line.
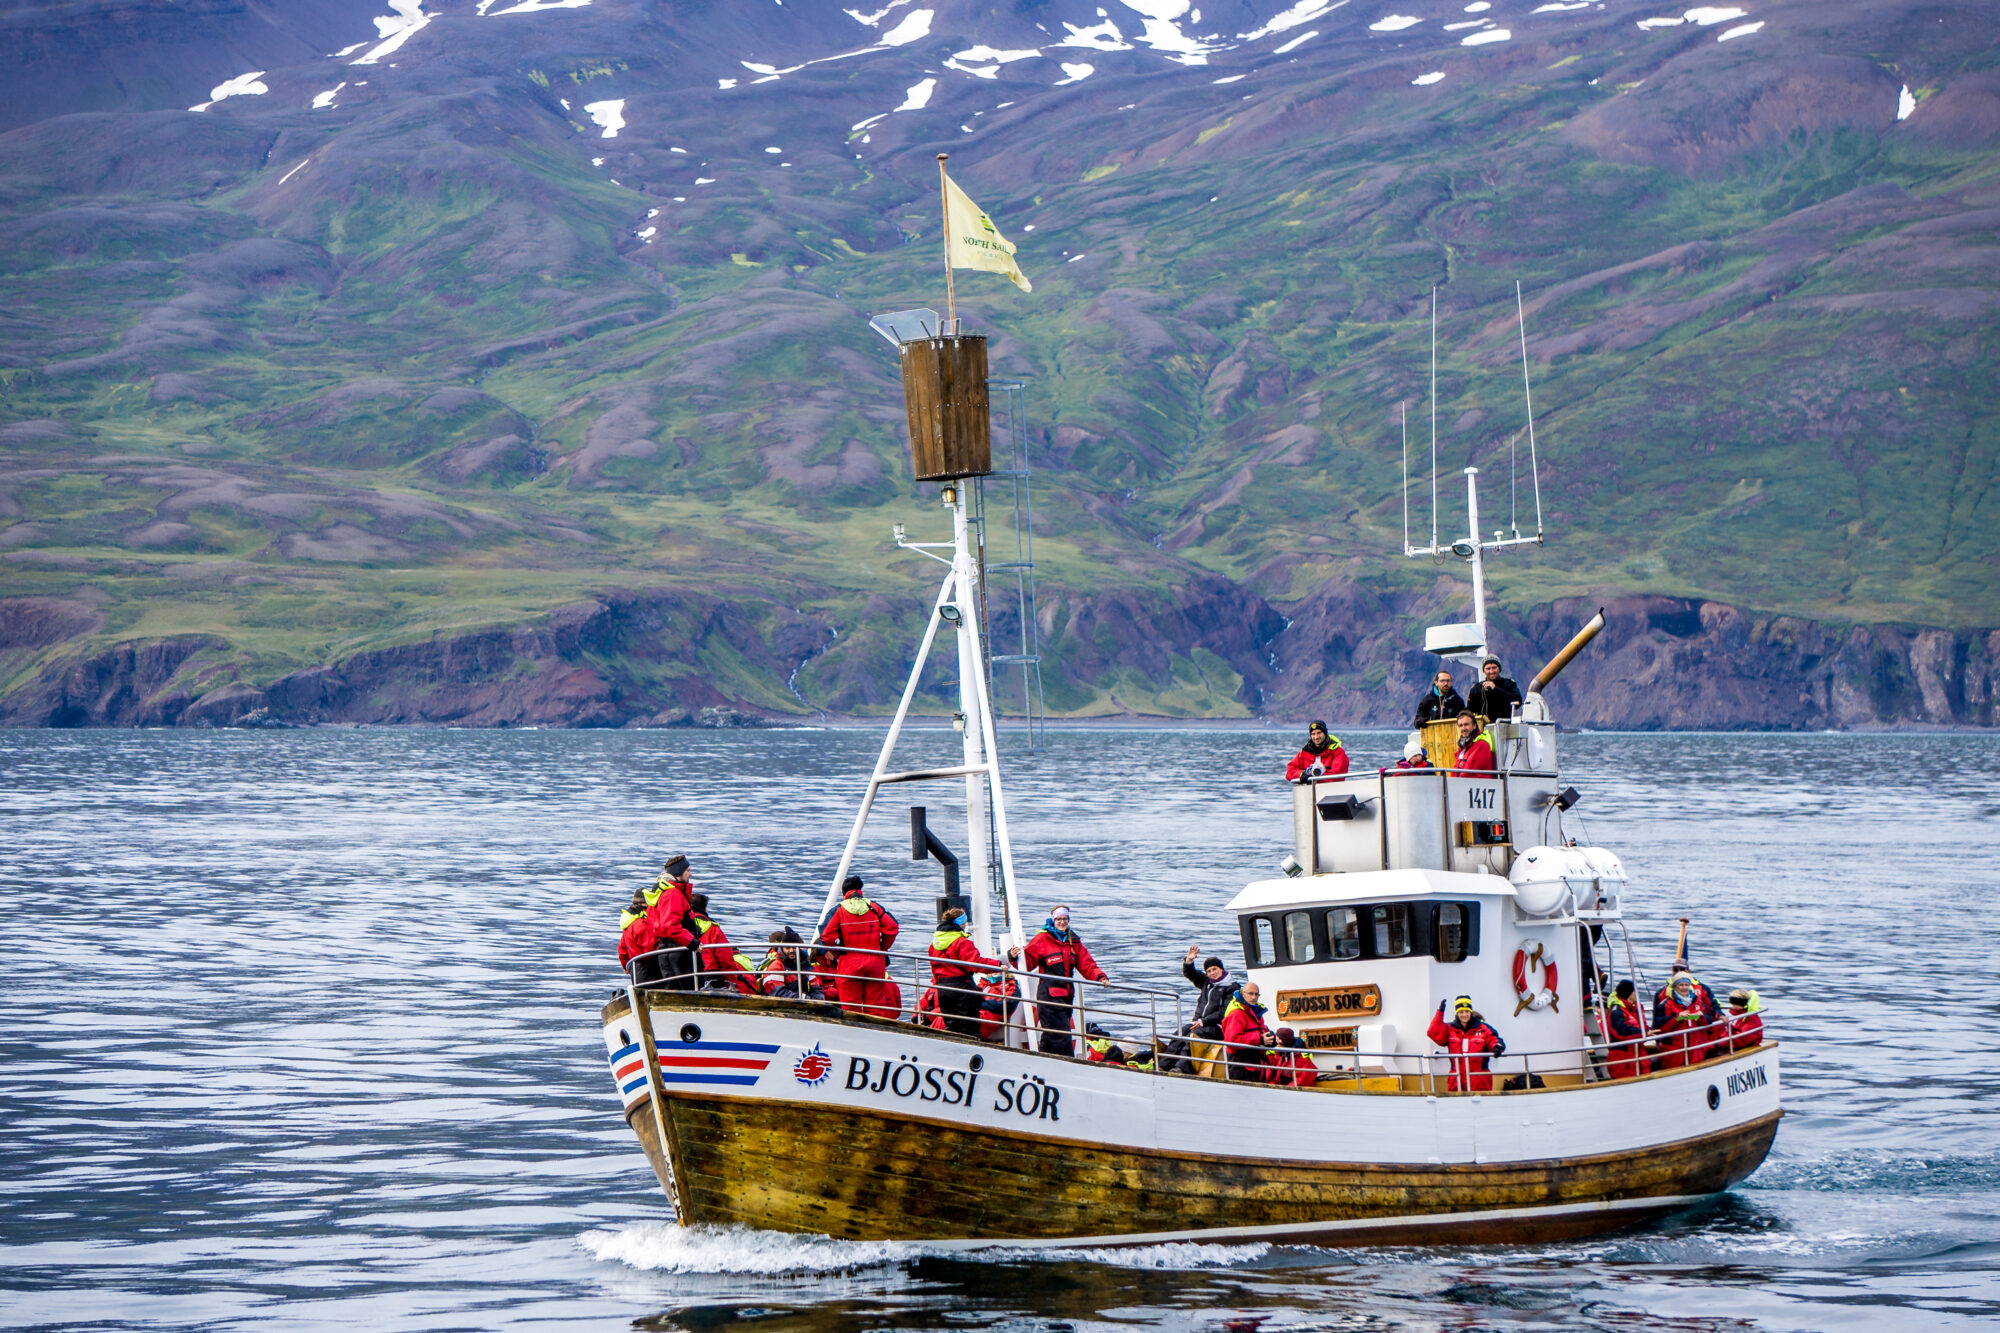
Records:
x=1535, y=997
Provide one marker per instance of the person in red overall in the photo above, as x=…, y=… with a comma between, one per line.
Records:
x=1060, y=956
x=999, y=995
x=870, y=931
x=1684, y=1018
x=720, y=964
x=954, y=957
x=668, y=923
x=1472, y=1044
x=1289, y=1065
x=1625, y=1027
x=785, y=975
x=1475, y=747
x=1745, y=1020
x=928, y=1014
x=1244, y=1031
x=1322, y=755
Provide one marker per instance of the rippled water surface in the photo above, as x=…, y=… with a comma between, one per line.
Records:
x=298, y=1029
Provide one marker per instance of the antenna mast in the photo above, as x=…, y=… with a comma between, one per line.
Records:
x=1434, y=418
x=1521, y=313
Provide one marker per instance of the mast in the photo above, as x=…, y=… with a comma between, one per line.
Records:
x=971, y=714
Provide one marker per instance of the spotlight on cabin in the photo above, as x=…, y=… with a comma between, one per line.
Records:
x=1567, y=797
x=1290, y=865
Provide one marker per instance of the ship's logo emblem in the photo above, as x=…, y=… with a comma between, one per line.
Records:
x=813, y=1067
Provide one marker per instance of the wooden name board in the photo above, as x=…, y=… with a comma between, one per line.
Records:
x=1333, y=1002
x=1329, y=1039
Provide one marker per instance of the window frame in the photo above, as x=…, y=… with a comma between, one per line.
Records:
x=1424, y=924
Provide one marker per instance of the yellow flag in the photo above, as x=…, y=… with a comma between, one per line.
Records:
x=973, y=240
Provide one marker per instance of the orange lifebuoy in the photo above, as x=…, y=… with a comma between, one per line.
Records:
x=1542, y=996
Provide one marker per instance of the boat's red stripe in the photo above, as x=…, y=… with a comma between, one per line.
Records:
x=625, y=1071
x=709, y=1062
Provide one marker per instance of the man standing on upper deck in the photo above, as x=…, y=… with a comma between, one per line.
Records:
x=1475, y=747
x=1496, y=697
x=1059, y=955
x=1440, y=702
x=1322, y=755
x=860, y=934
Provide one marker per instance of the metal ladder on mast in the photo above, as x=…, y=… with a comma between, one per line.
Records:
x=1028, y=660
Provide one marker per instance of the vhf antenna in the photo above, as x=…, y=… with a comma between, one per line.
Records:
x=1434, y=418
x=1404, y=408
x=1534, y=470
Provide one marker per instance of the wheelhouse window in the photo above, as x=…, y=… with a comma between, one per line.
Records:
x=1264, y=950
x=1343, y=932
x=1449, y=936
x=1299, y=937
x=1391, y=925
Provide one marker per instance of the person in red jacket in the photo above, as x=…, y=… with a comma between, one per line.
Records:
x=927, y=1013
x=1472, y=1043
x=1060, y=956
x=785, y=975
x=667, y=924
x=1745, y=1020
x=1625, y=1026
x=998, y=995
x=860, y=934
x=1475, y=747
x=1290, y=1066
x=953, y=960
x=719, y=962
x=1685, y=1017
x=1322, y=755
x=1244, y=1031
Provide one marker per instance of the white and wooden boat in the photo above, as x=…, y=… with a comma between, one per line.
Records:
x=1407, y=887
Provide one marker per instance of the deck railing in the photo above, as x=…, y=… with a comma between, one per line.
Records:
x=1146, y=1034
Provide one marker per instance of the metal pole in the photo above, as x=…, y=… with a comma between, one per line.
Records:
x=1008, y=886
x=888, y=747
x=972, y=703
x=1534, y=470
x=944, y=208
x=1478, y=554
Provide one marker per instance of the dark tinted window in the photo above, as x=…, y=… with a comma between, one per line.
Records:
x=1449, y=944
x=1263, y=945
x=1299, y=937
x=1391, y=926
x=1343, y=931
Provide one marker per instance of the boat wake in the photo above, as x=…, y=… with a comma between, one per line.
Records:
x=666, y=1248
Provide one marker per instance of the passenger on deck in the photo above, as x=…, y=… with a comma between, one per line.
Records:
x=1495, y=697
x=953, y=959
x=1322, y=755
x=1060, y=956
x=1243, y=1027
x=720, y=965
x=1213, y=986
x=870, y=931
x=1685, y=1018
x=1472, y=1043
x=1413, y=753
x=1440, y=703
x=1290, y=1066
x=998, y=997
x=1475, y=747
x=1625, y=1027
x=1099, y=1048
x=666, y=924
x=785, y=975
x=1746, y=1023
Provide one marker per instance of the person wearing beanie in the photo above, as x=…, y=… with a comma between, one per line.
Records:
x=1746, y=1020
x=658, y=946
x=1058, y=953
x=1495, y=697
x=1687, y=1021
x=1289, y=1064
x=860, y=934
x=1413, y=753
x=784, y=975
x=1625, y=1025
x=1322, y=756
x=954, y=958
x=1214, y=988
x=1471, y=1042
x=716, y=957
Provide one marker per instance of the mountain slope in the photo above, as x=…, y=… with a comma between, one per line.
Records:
x=465, y=373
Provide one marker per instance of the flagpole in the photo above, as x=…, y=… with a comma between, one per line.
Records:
x=944, y=207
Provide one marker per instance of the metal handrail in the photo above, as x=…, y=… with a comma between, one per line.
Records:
x=1696, y=1046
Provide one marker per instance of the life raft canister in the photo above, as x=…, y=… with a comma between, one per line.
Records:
x=1537, y=997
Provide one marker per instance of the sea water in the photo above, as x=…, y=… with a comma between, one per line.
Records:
x=299, y=1029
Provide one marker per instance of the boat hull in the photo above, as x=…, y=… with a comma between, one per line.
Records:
x=786, y=1156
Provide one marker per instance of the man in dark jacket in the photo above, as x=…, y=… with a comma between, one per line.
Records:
x=1495, y=697
x=1440, y=703
x=1213, y=987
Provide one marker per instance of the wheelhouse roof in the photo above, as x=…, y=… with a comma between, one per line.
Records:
x=1367, y=886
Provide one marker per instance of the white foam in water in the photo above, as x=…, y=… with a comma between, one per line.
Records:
x=1394, y=23
x=1554, y=8
x=663, y=1247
